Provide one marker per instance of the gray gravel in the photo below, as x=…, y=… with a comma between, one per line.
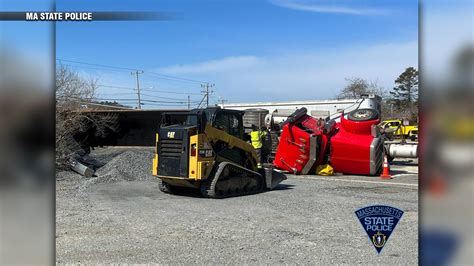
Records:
x=125, y=218
x=113, y=165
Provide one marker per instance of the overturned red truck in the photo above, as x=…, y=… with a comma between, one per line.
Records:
x=351, y=146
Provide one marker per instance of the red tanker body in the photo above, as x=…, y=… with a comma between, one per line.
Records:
x=355, y=147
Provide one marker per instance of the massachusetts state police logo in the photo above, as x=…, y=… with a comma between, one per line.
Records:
x=379, y=221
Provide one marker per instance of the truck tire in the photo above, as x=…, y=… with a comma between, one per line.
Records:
x=363, y=115
x=166, y=188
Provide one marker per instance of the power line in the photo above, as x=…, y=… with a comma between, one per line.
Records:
x=116, y=87
x=151, y=104
x=173, y=77
x=166, y=98
x=136, y=72
x=133, y=69
x=98, y=65
x=144, y=100
x=202, y=100
x=149, y=90
x=90, y=67
x=113, y=94
x=143, y=94
x=171, y=92
x=153, y=101
x=115, y=99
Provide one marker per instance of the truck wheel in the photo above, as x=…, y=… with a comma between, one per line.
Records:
x=363, y=115
x=165, y=187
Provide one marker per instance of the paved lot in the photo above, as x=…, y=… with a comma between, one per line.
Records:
x=307, y=220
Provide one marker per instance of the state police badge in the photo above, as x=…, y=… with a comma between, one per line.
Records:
x=379, y=221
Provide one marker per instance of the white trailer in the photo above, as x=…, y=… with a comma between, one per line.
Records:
x=316, y=108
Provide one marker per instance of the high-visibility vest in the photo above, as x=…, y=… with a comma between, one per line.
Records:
x=256, y=138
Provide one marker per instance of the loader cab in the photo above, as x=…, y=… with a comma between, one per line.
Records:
x=174, y=145
x=227, y=120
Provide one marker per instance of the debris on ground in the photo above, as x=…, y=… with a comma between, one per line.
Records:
x=81, y=168
x=115, y=165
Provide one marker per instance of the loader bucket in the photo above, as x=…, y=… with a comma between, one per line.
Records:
x=273, y=177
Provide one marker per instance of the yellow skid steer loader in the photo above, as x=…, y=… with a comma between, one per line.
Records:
x=205, y=149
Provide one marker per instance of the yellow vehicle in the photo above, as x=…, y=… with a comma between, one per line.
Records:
x=397, y=128
x=205, y=149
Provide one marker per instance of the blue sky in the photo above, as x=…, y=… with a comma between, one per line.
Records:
x=211, y=29
x=253, y=50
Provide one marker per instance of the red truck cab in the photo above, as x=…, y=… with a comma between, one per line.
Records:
x=351, y=146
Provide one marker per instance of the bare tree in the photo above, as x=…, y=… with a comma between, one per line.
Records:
x=72, y=92
x=356, y=87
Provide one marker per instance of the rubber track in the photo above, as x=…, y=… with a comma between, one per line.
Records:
x=208, y=188
x=165, y=187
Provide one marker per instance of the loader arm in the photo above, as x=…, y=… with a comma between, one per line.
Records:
x=213, y=135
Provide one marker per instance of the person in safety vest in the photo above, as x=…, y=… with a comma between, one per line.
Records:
x=256, y=136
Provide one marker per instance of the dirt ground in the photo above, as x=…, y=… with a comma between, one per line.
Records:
x=121, y=216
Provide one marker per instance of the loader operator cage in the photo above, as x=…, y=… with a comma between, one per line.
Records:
x=180, y=119
x=224, y=119
x=196, y=117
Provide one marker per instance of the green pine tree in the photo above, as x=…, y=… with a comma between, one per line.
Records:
x=405, y=92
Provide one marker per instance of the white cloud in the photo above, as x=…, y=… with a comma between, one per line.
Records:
x=213, y=66
x=301, y=75
x=350, y=8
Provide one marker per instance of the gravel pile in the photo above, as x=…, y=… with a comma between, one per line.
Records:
x=113, y=165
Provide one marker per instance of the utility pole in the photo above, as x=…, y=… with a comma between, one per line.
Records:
x=189, y=103
x=138, y=88
x=207, y=92
x=221, y=99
